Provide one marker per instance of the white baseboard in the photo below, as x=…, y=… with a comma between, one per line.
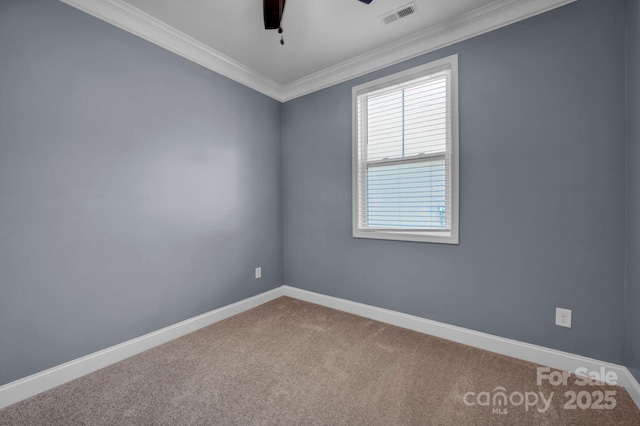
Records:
x=533, y=353
x=632, y=386
x=32, y=385
x=56, y=376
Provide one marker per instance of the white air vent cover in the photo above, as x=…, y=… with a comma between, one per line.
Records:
x=401, y=12
x=390, y=18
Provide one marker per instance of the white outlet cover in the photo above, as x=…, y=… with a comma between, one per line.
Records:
x=563, y=317
x=258, y=272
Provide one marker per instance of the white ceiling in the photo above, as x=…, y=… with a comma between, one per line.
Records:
x=318, y=33
x=327, y=41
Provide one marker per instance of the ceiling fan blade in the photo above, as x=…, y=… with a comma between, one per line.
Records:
x=273, y=10
x=366, y=1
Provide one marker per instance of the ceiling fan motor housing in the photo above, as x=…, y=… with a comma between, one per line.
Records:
x=273, y=10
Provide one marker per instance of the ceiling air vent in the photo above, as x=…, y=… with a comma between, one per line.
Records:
x=402, y=12
x=390, y=18
x=406, y=11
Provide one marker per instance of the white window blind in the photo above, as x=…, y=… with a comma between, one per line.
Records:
x=405, y=155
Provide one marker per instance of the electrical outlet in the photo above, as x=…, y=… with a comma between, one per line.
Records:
x=258, y=272
x=563, y=317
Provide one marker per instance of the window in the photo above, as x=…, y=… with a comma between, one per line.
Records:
x=405, y=155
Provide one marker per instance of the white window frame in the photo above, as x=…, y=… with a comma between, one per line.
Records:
x=430, y=236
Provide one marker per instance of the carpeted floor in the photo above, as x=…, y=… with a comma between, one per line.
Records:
x=293, y=363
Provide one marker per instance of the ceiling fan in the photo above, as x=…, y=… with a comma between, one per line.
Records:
x=273, y=10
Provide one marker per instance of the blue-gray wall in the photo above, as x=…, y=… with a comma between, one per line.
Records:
x=633, y=186
x=542, y=141
x=137, y=189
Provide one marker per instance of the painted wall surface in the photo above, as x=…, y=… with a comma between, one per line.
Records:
x=633, y=187
x=542, y=223
x=137, y=189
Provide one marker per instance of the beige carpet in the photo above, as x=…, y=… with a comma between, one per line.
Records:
x=293, y=363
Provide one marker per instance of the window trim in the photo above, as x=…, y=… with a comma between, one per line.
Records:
x=431, y=236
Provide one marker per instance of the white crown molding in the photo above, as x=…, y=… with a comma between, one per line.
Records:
x=133, y=20
x=495, y=15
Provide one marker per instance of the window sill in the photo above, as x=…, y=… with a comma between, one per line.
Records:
x=421, y=237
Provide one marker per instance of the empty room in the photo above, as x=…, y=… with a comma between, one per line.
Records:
x=336, y=212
